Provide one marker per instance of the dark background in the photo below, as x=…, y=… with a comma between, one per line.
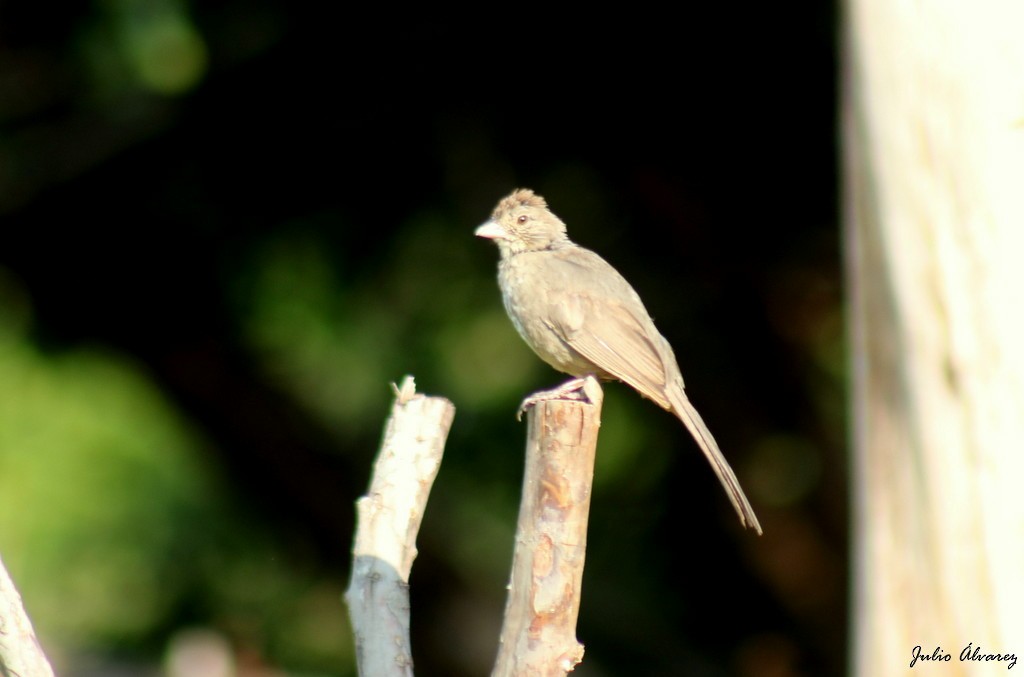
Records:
x=259, y=214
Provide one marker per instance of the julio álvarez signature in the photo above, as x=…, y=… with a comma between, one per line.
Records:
x=970, y=653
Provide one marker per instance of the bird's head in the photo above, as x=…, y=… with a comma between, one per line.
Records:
x=522, y=223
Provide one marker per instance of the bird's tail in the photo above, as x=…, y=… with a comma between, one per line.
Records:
x=695, y=424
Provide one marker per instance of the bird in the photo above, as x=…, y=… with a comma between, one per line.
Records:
x=583, y=318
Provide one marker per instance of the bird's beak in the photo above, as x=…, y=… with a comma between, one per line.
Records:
x=492, y=231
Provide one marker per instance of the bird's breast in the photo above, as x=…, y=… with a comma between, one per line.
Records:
x=530, y=299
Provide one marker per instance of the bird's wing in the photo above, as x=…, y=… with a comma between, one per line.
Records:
x=598, y=315
x=607, y=333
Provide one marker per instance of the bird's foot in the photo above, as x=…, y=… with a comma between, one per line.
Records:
x=577, y=389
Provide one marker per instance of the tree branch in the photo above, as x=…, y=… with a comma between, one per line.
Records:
x=388, y=520
x=538, y=636
x=20, y=653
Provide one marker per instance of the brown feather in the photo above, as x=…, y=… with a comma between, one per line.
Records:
x=622, y=349
x=582, y=317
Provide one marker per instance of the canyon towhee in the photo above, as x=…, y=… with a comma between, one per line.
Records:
x=582, y=317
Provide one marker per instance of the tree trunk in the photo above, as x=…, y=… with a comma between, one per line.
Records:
x=933, y=121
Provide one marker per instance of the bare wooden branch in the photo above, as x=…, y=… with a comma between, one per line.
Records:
x=388, y=520
x=20, y=653
x=539, y=632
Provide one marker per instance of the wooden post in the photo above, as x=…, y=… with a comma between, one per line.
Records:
x=388, y=520
x=538, y=636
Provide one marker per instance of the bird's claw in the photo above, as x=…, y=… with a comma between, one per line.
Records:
x=570, y=390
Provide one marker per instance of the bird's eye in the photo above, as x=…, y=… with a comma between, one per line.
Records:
x=523, y=219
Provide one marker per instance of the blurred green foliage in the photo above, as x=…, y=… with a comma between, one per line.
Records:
x=226, y=227
x=102, y=488
x=151, y=45
x=332, y=342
